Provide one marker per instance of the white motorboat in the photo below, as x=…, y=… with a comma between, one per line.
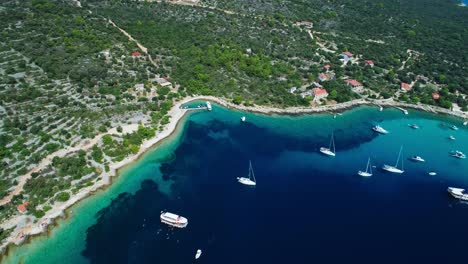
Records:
x=413, y=126
x=417, y=158
x=198, y=254
x=368, y=171
x=451, y=137
x=243, y=119
x=208, y=106
x=395, y=169
x=453, y=127
x=465, y=123
x=379, y=129
x=432, y=173
x=458, y=154
x=173, y=219
x=328, y=151
x=251, y=179
x=458, y=193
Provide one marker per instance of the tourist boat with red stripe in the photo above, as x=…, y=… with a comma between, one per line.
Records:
x=174, y=220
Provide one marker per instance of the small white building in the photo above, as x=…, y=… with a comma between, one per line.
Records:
x=161, y=81
x=292, y=90
x=307, y=93
x=139, y=87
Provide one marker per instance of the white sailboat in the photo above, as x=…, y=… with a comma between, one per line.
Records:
x=368, y=171
x=251, y=179
x=328, y=151
x=394, y=169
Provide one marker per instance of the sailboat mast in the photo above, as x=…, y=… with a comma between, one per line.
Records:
x=251, y=171
x=332, y=143
x=368, y=167
x=398, y=159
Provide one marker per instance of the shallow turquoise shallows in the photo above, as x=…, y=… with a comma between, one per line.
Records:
x=195, y=170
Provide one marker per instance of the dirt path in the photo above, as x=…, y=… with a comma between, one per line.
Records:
x=59, y=153
x=143, y=48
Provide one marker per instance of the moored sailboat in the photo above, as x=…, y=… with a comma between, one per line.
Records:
x=368, y=171
x=395, y=169
x=328, y=151
x=251, y=179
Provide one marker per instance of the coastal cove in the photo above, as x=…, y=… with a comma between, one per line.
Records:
x=193, y=173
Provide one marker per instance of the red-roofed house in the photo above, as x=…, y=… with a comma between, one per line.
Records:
x=22, y=207
x=322, y=77
x=327, y=67
x=353, y=83
x=370, y=63
x=346, y=55
x=405, y=87
x=319, y=93
x=136, y=54
x=435, y=96
x=305, y=24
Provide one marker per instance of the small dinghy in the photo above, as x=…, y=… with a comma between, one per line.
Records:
x=198, y=254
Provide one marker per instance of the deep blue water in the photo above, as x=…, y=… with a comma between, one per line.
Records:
x=306, y=208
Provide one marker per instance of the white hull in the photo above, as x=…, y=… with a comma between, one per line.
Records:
x=364, y=174
x=432, y=173
x=417, y=159
x=208, y=106
x=458, y=193
x=392, y=169
x=327, y=151
x=174, y=220
x=380, y=130
x=198, y=254
x=246, y=181
x=243, y=119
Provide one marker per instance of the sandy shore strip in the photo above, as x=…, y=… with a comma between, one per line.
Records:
x=23, y=224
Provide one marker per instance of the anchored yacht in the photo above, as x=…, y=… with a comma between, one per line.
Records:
x=458, y=193
x=413, y=126
x=417, y=158
x=379, y=129
x=174, y=220
x=458, y=154
x=208, y=106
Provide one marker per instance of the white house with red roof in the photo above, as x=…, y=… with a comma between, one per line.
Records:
x=327, y=67
x=369, y=63
x=322, y=77
x=136, y=54
x=405, y=87
x=435, y=96
x=346, y=55
x=319, y=93
x=353, y=83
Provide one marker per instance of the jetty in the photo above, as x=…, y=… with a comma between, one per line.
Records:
x=403, y=110
x=196, y=107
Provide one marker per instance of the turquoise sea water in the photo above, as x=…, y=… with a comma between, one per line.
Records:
x=306, y=207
